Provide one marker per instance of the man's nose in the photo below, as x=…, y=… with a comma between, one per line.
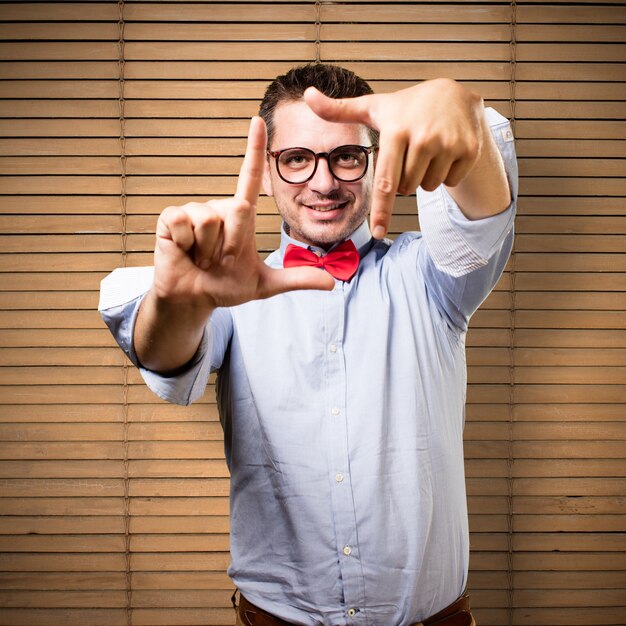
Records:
x=323, y=181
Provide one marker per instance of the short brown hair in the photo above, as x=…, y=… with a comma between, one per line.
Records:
x=332, y=80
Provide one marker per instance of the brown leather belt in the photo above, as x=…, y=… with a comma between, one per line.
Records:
x=457, y=614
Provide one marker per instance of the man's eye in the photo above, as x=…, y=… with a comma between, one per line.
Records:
x=295, y=159
x=347, y=159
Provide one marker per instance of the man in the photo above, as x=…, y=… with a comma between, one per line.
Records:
x=342, y=398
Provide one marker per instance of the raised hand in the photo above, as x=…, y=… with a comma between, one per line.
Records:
x=431, y=133
x=206, y=257
x=206, y=252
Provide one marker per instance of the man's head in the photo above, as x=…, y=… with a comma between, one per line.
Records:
x=323, y=210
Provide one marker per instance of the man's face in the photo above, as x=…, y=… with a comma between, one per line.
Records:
x=324, y=210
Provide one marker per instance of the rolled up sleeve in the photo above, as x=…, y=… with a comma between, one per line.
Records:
x=463, y=259
x=121, y=294
x=456, y=244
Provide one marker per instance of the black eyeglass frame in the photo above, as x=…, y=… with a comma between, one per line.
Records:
x=325, y=155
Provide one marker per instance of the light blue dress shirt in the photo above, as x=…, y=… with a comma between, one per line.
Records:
x=343, y=416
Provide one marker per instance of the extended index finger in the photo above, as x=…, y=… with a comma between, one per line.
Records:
x=251, y=173
x=386, y=181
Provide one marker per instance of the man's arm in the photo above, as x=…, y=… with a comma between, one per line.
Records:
x=463, y=259
x=434, y=137
x=205, y=258
x=485, y=189
x=431, y=133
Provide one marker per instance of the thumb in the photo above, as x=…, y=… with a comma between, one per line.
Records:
x=347, y=110
x=276, y=281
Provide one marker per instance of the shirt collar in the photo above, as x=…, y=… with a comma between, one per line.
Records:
x=361, y=238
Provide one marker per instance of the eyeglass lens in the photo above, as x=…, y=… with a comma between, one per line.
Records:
x=346, y=163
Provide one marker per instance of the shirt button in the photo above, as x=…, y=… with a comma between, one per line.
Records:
x=347, y=550
x=351, y=612
x=335, y=411
x=333, y=348
x=339, y=477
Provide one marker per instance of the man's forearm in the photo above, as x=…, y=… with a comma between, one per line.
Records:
x=168, y=334
x=485, y=190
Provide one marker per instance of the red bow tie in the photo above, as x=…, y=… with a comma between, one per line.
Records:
x=341, y=262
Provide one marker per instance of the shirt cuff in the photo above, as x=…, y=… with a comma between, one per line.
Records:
x=456, y=244
x=187, y=386
x=121, y=294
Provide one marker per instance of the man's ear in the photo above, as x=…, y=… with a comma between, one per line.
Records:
x=267, y=179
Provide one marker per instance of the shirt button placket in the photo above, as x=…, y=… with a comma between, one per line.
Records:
x=339, y=460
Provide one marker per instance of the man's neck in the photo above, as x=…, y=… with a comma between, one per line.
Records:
x=360, y=237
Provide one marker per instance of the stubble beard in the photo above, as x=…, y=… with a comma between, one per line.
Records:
x=327, y=237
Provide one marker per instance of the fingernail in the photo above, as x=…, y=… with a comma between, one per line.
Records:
x=379, y=232
x=228, y=260
x=204, y=264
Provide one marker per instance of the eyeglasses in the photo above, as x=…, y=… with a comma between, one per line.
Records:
x=346, y=163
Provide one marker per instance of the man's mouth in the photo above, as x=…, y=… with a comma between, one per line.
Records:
x=324, y=207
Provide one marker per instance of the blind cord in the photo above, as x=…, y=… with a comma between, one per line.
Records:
x=125, y=369
x=122, y=137
x=318, y=31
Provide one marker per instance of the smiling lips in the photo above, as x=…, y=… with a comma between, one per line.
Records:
x=324, y=207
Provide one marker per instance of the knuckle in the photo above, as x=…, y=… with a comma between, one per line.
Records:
x=385, y=185
x=450, y=143
x=254, y=170
x=406, y=189
x=396, y=135
x=423, y=136
x=430, y=183
x=208, y=220
x=473, y=149
x=435, y=144
x=175, y=216
x=242, y=207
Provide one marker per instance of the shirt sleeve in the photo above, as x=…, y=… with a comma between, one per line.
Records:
x=121, y=293
x=463, y=259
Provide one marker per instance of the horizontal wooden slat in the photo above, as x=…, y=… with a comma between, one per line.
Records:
x=61, y=356
x=140, y=412
x=569, y=32
x=306, y=31
x=572, y=15
x=549, y=375
x=568, y=147
x=58, y=11
x=55, y=31
x=163, y=431
x=544, y=468
x=58, y=51
x=235, y=12
x=566, y=356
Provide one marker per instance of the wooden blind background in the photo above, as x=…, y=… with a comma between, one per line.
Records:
x=114, y=505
